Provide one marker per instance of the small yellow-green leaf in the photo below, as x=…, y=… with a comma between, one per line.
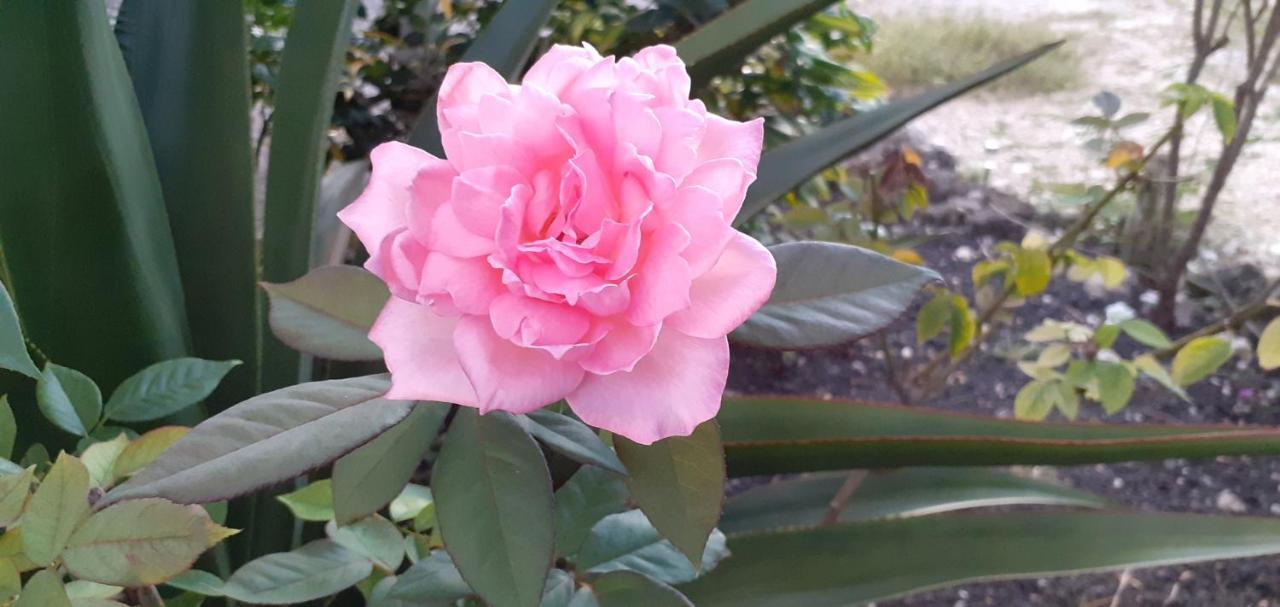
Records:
x=44, y=589
x=146, y=449
x=412, y=499
x=55, y=510
x=1145, y=333
x=1066, y=400
x=1034, y=401
x=100, y=459
x=986, y=270
x=1054, y=355
x=1199, y=359
x=11, y=550
x=933, y=317
x=1224, y=115
x=311, y=503
x=8, y=425
x=1106, y=336
x=1112, y=270
x=1152, y=368
x=1032, y=270
x=84, y=589
x=963, y=325
x=15, y=490
x=1115, y=385
x=10, y=581
x=1269, y=346
x=1047, y=331
x=140, y=542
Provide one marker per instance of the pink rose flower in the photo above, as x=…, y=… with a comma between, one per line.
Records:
x=576, y=244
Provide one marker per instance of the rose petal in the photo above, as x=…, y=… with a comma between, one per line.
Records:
x=418, y=347
x=470, y=284
x=621, y=348
x=661, y=283
x=508, y=377
x=676, y=387
x=383, y=207
x=730, y=292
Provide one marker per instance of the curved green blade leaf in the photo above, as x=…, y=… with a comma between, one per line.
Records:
x=166, y=387
x=504, y=44
x=191, y=76
x=315, y=570
x=370, y=477
x=722, y=44
x=786, y=166
x=83, y=224
x=679, y=484
x=830, y=293
x=309, y=68
x=13, y=347
x=776, y=435
x=494, y=506
x=267, y=439
x=853, y=563
x=805, y=501
x=328, y=312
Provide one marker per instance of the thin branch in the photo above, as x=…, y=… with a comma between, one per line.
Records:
x=838, y=501
x=1231, y=321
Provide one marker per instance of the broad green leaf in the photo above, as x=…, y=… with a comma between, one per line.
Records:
x=933, y=317
x=190, y=75
x=165, y=388
x=58, y=506
x=8, y=428
x=679, y=484
x=853, y=563
x=368, y=478
x=83, y=589
x=829, y=293
x=44, y=589
x=504, y=44
x=434, y=578
x=1032, y=270
x=1115, y=385
x=140, y=542
x=69, y=399
x=197, y=581
x=559, y=591
x=313, y=502
x=1199, y=359
x=722, y=44
x=100, y=460
x=1145, y=333
x=11, y=550
x=494, y=506
x=806, y=501
x=90, y=258
x=13, y=346
x=319, y=34
x=1224, y=115
x=780, y=435
x=572, y=439
x=786, y=166
x=588, y=496
x=631, y=589
x=141, y=452
x=315, y=570
x=410, y=503
x=1152, y=368
x=375, y=537
x=1269, y=346
x=627, y=542
x=1035, y=400
x=15, y=491
x=1106, y=336
x=267, y=439
x=328, y=312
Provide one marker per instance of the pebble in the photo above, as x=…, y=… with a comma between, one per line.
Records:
x=1230, y=502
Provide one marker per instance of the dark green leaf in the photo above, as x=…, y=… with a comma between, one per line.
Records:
x=559, y=591
x=199, y=582
x=13, y=347
x=858, y=562
x=494, y=506
x=370, y=477
x=375, y=537
x=588, y=496
x=166, y=387
x=722, y=44
x=631, y=589
x=8, y=428
x=805, y=501
x=778, y=435
x=328, y=312
x=315, y=570
x=267, y=439
x=191, y=77
x=69, y=399
x=433, y=578
x=504, y=44
x=627, y=542
x=572, y=439
x=788, y=165
x=829, y=293
x=83, y=225
x=679, y=484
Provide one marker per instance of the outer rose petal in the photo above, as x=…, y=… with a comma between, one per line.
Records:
x=384, y=205
x=418, y=347
x=672, y=390
x=560, y=67
x=506, y=376
x=730, y=292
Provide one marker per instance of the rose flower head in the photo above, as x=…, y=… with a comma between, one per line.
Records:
x=575, y=243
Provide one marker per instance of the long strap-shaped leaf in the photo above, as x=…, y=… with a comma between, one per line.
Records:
x=313, y=53
x=772, y=435
x=722, y=44
x=788, y=165
x=853, y=563
x=191, y=77
x=504, y=44
x=82, y=220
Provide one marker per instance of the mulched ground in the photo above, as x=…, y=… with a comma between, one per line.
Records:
x=1238, y=394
